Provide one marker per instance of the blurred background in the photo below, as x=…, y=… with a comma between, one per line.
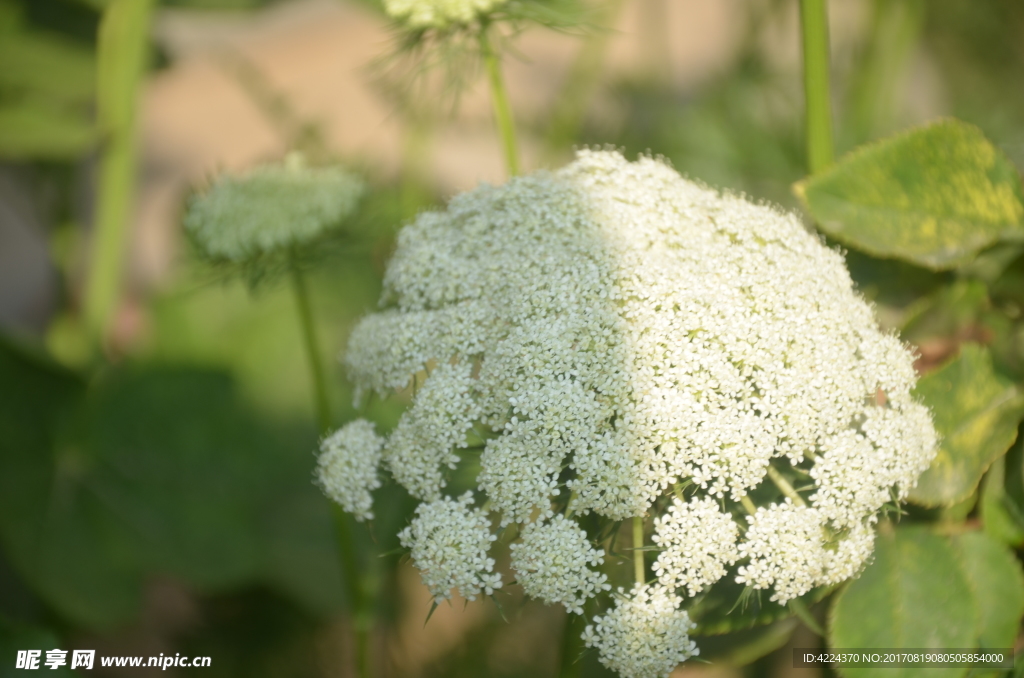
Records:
x=159, y=500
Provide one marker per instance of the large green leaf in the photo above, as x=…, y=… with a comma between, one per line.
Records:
x=914, y=594
x=55, y=533
x=183, y=469
x=934, y=196
x=976, y=413
x=1002, y=517
x=995, y=577
x=157, y=470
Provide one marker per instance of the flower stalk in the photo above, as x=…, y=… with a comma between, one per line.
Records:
x=638, y=554
x=502, y=109
x=362, y=620
x=817, y=93
x=122, y=52
x=308, y=328
x=787, y=490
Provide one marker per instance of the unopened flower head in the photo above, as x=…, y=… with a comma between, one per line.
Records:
x=555, y=561
x=449, y=540
x=270, y=208
x=645, y=635
x=347, y=467
x=422, y=14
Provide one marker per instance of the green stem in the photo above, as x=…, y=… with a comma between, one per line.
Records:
x=572, y=646
x=814, y=27
x=502, y=109
x=121, y=62
x=362, y=619
x=638, y=554
x=748, y=505
x=784, y=486
x=316, y=368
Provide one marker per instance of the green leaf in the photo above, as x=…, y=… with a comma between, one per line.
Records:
x=57, y=535
x=183, y=469
x=32, y=129
x=995, y=577
x=914, y=594
x=976, y=413
x=740, y=648
x=1002, y=517
x=934, y=196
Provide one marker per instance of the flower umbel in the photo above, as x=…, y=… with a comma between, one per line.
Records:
x=420, y=14
x=645, y=635
x=552, y=564
x=449, y=540
x=699, y=542
x=347, y=467
x=617, y=331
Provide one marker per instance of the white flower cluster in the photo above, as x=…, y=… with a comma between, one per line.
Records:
x=699, y=542
x=784, y=546
x=421, y=14
x=347, y=467
x=620, y=331
x=645, y=635
x=449, y=540
x=788, y=548
x=552, y=564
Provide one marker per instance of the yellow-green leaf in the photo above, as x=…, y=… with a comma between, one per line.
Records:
x=995, y=577
x=976, y=413
x=1002, y=518
x=934, y=196
x=914, y=594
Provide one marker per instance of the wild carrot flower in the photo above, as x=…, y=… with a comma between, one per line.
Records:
x=347, y=467
x=612, y=335
x=554, y=562
x=449, y=540
x=420, y=14
x=645, y=635
x=270, y=208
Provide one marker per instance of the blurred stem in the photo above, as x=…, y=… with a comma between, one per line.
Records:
x=896, y=27
x=748, y=505
x=121, y=61
x=638, y=554
x=579, y=85
x=572, y=646
x=784, y=486
x=502, y=109
x=814, y=28
x=362, y=619
x=316, y=367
